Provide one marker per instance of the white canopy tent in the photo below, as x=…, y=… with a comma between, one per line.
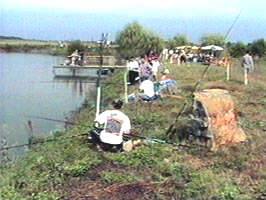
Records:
x=212, y=47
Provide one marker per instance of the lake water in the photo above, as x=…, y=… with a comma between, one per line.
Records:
x=28, y=88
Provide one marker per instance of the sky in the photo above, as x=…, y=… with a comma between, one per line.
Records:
x=86, y=19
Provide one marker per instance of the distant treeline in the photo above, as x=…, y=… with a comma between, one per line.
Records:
x=10, y=38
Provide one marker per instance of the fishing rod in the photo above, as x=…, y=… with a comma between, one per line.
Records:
x=56, y=120
x=168, y=132
x=42, y=142
x=233, y=24
x=184, y=106
x=154, y=140
x=125, y=135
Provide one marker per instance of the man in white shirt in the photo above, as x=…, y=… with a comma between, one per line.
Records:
x=115, y=124
x=147, y=86
x=247, y=62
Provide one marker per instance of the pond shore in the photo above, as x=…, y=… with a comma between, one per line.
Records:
x=74, y=169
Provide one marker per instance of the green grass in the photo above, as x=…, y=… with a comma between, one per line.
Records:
x=59, y=169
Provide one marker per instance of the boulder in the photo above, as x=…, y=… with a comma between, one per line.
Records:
x=216, y=108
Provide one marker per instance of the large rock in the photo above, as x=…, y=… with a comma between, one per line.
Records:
x=216, y=107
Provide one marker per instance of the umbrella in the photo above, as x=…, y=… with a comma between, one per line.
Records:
x=212, y=47
x=194, y=48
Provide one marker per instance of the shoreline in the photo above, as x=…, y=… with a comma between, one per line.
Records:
x=44, y=51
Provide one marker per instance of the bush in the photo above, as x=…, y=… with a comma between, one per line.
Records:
x=135, y=41
x=75, y=45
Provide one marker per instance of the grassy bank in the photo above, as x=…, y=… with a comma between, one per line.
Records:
x=53, y=48
x=32, y=46
x=73, y=169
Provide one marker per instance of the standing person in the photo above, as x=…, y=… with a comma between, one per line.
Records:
x=155, y=68
x=115, y=123
x=248, y=65
x=183, y=57
x=247, y=62
x=145, y=69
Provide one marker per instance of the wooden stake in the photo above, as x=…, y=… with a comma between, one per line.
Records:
x=228, y=72
x=30, y=139
x=246, y=76
x=98, y=101
x=125, y=83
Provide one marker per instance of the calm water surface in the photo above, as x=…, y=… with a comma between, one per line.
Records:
x=28, y=88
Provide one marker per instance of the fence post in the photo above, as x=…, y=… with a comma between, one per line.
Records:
x=246, y=76
x=125, y=83
x=30, y=140
x=228, y=72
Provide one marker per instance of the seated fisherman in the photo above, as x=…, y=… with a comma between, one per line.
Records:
x=115, y=123
x=168, y=85
x=74, y=57
x=147, y=86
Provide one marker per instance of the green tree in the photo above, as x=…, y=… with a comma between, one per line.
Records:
x=213, y=39
x=258, y=47
x=75, y=45
x=237, y=49
x=178, y=40
x=135, y=41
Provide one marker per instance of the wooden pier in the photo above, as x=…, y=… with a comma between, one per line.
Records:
x=83, y=71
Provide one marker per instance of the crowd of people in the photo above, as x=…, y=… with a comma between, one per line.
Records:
x=153, y=79
x=186, y=56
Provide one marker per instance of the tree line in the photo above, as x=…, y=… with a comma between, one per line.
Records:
x=136, y=40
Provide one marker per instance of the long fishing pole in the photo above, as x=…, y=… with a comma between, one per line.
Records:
x=56, y=120
x=233, y=24
x=225, y=46
x=184, y=106
x=202, y=77
x=41, y=142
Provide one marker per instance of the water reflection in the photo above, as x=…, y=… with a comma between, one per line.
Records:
x=80, y=86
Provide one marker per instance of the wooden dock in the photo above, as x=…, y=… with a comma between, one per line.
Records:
x=84, y=70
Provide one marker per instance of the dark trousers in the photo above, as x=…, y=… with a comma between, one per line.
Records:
x=132, y=75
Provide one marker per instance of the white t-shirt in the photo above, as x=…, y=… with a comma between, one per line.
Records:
x=115, y=124
x=148, y=88
x=155, y=66
x=133, y=65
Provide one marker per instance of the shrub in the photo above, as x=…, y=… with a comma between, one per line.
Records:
x=75, y=45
